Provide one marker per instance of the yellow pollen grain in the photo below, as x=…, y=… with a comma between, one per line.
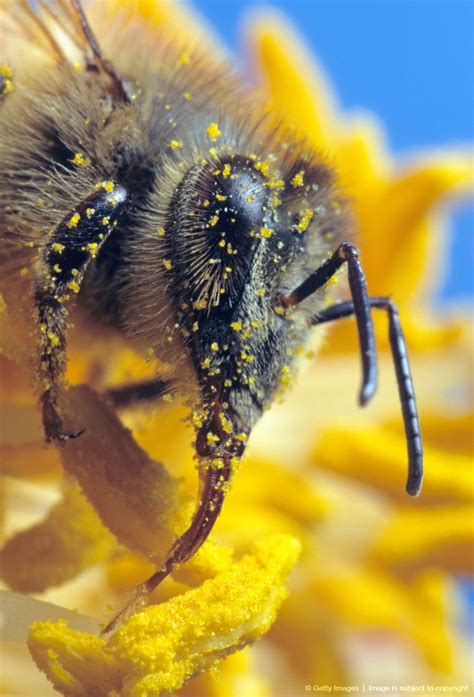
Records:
x=280, y=310
x=7, y=74
x=225, y=423
x=195, y=326
x=6, y=71
x=81, y=160
x=213, y=152
x=276, y=201
x=107, y=185
x=214, y=346
x=183, y=59
x=105, y=220
x=167, y=264
x=57, y=268
x=213, y=131
x=90, y=212
x=263, y=167
x=305, y=220
x=298, y=179
x=187, y=96
x=246, y=357
x=212, y=438
x=236, y=326
x=161, y=232
x=275, y=183
x=266, y=232
x=73, y=221
x=92, y=248
x=197, y=418
x=53, y=338
x=242, y=437
x=206, y=363
x=206, y=203
x=226, y=170
x=167, y=398
x=214, y=220
x=57, y=247
x=74, y=286
x=250, y=198
x=261, y=292
x=200, y=304
x=175, y=144
x=220, y=197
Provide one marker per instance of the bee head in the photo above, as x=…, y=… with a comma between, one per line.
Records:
x=238, y=236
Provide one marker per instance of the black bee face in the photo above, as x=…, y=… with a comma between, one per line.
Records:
x=237, y=238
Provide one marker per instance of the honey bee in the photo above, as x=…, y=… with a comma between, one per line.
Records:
x=152, y=191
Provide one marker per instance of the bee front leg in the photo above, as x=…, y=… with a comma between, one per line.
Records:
x=134, y=393
x=75, y=242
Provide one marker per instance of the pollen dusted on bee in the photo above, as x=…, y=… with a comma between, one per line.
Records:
x=6, y=80
x=73, y=221
x=298, y=179
x=81, y=160
x=213, y=131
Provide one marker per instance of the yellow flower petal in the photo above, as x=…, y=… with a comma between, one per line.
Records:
x=158, y=650
x=287, y=71
x=378, y=457
x=396, y=231
x=275, y=487
x=135, y=497
x=386, y=604
x=69, y=540
x=440, y=537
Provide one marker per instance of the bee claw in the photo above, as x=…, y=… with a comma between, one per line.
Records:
x=64, y=436
x=53, y=425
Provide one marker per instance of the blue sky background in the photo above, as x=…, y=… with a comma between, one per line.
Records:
x=408, y=61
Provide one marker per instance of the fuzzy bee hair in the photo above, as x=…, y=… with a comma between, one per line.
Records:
x=165, y=201
x=149, y=143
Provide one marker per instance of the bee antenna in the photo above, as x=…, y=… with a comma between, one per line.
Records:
x=97, y=52
x=346, y=252
x=360, y=307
